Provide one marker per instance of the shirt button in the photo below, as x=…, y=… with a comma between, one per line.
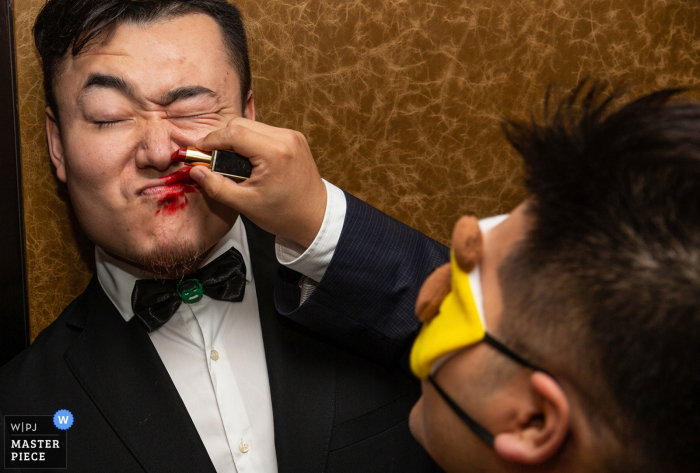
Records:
x=214, y=355
x=243, y=447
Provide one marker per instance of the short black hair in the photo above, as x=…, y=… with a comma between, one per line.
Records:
x=604, y=289
x=74, y=25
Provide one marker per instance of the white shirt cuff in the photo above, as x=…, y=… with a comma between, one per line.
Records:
x=313, y=261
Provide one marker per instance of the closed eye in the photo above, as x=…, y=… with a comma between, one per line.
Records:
x=189, y=117
x=105, y=124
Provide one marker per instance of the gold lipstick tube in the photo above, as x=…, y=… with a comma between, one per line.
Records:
x=226, y=163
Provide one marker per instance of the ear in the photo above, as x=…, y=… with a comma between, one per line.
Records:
x=542, y=431
x=433, y=291
x=249, y=110
x=53, y=135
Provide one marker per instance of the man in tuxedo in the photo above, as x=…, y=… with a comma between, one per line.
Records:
x=588, y=293
x=210, y=341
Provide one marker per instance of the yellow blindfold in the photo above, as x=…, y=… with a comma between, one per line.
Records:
x=456, y=326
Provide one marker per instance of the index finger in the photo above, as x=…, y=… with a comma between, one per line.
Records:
x=221, y=137
x=237, y=137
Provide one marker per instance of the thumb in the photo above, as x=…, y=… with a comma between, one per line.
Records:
x=218, y=187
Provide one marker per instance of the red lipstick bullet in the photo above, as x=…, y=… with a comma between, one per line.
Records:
x=226, y=163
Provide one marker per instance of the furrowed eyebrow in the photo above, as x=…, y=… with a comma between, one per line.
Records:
x=182, y=93
x=120, y=85
x=110, y=82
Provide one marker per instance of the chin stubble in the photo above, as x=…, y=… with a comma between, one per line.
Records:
x=173, y=262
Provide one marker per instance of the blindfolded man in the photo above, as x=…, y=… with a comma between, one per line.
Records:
x=573, y=346
x=189, y=351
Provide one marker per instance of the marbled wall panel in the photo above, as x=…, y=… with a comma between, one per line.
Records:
x=56, y=271
x=400, y=100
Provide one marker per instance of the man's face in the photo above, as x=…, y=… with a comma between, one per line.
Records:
x=471, y=377
x=125, y=107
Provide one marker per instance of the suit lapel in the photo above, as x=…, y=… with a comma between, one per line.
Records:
x=119, y=368
x=301, y=371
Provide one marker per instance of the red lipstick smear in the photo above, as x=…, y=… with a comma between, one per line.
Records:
x=175, y=198
x=182, y=175
x=174, y=201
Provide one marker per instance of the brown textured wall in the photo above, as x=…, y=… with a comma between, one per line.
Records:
x=399, y=99
x=55, y=269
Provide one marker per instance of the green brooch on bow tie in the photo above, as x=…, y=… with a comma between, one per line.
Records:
x=190, y=290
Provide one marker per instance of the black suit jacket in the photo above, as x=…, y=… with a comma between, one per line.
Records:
x=340, y=387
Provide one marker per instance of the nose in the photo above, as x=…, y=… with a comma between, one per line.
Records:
x=156, y=145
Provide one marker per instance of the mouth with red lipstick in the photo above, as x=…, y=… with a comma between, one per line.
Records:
x=171, y=191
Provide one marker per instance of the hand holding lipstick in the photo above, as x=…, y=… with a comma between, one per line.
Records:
x=284, y=194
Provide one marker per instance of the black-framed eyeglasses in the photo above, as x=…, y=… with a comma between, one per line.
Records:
x=475, y=427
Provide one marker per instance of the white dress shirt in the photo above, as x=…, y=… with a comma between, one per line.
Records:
x=213, y=350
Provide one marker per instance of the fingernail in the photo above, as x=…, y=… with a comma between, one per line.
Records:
x=197, y=174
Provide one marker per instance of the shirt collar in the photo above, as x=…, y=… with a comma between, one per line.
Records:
x=117, y=277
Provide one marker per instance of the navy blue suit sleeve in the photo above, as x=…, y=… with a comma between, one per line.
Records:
x=365, y=301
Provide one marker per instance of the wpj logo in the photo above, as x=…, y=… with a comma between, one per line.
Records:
x=37, y=441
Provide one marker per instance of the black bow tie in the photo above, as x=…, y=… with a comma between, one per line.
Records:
x=155, y=301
